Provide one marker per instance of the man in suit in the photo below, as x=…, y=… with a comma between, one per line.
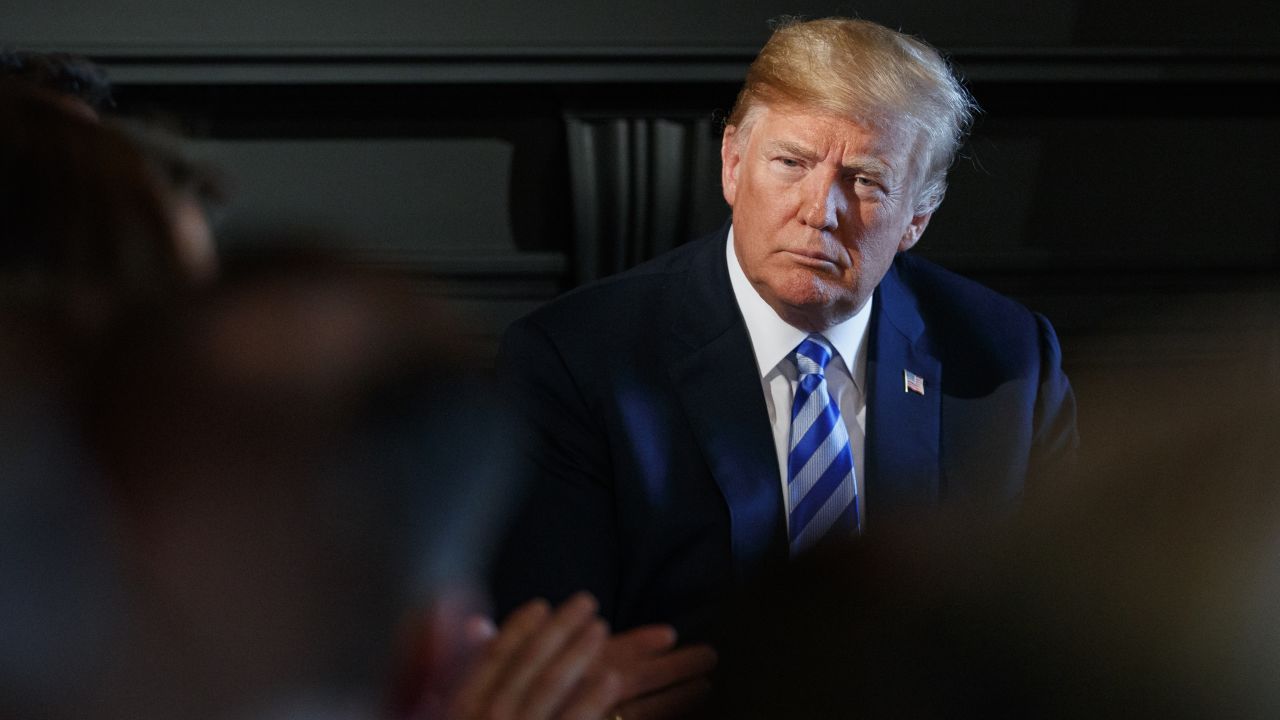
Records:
x=794, y=377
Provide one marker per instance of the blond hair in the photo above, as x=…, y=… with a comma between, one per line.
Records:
x=871, y=74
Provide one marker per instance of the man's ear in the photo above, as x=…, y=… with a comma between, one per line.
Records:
x=730, y=157
x=914, y=231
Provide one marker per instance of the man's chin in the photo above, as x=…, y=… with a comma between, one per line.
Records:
x=814, y=306
x=814, y=289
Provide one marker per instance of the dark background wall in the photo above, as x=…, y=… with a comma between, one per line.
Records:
x=276, y=25
x=1121, y=180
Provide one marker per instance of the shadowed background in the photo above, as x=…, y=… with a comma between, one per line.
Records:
x=1120, y=179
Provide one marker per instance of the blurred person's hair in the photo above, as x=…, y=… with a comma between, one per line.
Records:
x=64, y=74
x=865, y=72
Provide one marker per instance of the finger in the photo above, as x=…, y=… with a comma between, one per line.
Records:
x=550, y=687
x=649, y=674
x=532, y=658
x=639, y=642
x=478, y=630
x=478, y=634
x=678, y=701
x=594, y=697
x=481, y=681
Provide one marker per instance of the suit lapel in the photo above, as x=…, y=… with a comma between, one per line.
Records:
x=903, y=427
x=715, y=376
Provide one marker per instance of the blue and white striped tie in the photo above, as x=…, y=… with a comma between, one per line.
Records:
x=820, y=480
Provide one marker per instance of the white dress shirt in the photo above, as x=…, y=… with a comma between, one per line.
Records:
x=773, y=340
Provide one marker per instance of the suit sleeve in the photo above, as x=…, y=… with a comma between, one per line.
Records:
x=563, y=537
x=1055, y=441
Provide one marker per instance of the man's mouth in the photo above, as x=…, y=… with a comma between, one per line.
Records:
x=812, y=258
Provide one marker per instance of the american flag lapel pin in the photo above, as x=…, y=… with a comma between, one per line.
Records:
x=912, y=382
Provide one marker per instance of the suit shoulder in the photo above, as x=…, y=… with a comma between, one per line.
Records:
x=944, y=294
x=972, y=322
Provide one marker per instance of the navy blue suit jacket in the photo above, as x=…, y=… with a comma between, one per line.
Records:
x=655, y=475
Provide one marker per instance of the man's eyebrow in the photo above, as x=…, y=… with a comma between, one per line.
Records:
x=789, y=148
x=867, y=164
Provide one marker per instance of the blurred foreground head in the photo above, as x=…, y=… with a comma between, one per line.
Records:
x=88, y=224
x=296, y=462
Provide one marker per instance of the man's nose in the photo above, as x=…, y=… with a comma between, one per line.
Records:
x=824, y=201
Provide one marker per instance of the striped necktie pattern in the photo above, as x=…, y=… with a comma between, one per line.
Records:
x=820, y=482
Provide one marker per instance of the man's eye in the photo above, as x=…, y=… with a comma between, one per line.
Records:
x=865, y=181
x=789, y=162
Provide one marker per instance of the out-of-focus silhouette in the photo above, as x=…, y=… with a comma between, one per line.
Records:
x=255, y=498
x=295, y=464
x=86, y=237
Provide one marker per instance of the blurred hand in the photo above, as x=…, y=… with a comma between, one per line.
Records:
x=659, y=682
x=560, y=665
x=536, y=667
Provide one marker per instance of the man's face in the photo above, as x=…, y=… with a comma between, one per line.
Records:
x=821, y=204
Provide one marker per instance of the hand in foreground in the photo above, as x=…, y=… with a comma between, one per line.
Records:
x=536, y=667
x=658, y=681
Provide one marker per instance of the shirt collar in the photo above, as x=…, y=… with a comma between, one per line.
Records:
x=773, y=339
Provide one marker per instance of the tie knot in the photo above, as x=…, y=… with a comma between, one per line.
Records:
x=812, y=355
